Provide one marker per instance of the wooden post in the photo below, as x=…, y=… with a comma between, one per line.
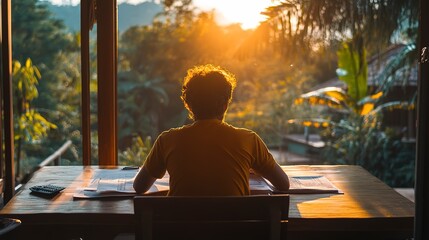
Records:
x=421, y=231
x=107, y=81
x=1, y=111
x=9, y=186
x=85, y=73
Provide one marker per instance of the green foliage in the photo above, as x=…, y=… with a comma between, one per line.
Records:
x=36, y=33
x=136, y=153
x=153, y=59
x=360, y=139
x=140, y=103
x=66, y=113
x=265, y=108
x=353, y=67
x=356, y=104
x=30, y=124
x=394, y=72
x=25, y=80
x=383, y=153
x=39, y=119
x=317, y=22
x=353, y=129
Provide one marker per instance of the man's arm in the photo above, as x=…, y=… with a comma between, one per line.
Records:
x=267, y=167
x=278, y=178
x=143, y=181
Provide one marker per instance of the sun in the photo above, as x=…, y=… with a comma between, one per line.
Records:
x=245, y=12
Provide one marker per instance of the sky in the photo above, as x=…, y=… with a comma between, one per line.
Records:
x=245, y=12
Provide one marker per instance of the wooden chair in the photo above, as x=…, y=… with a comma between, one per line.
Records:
x=246, y=217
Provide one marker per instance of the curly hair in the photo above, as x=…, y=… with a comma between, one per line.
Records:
x=206, y=90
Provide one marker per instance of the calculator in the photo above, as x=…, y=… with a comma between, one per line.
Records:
x=46, y=190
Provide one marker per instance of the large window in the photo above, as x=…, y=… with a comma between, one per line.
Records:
x=276, y=61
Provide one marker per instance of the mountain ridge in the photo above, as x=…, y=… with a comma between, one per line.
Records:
x=128, y=15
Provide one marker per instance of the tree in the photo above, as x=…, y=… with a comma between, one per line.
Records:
x=310, y=30
x=30, y=125
x=140, y=103
x=41, y=37
x=36, y=34
x=66, y=113
x=312, y=23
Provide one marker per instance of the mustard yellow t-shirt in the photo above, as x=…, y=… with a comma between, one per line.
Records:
x=208, y=157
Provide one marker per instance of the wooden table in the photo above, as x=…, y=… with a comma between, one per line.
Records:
x=368, y=209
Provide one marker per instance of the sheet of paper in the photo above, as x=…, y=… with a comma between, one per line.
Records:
x=117, y=183
x=113, y=180
x=311, y=184
x=114, y=173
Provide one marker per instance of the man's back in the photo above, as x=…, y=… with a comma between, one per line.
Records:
x=208, y=157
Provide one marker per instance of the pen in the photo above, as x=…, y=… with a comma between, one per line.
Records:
x=130, y=168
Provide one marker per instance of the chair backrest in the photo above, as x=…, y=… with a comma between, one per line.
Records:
x=225, y=217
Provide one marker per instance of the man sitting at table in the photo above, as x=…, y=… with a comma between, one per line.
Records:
x=209, y=157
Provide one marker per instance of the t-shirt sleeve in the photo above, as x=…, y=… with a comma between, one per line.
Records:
x=263, y=160
x=155, y=162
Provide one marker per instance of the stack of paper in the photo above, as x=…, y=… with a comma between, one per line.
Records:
x=109, y=183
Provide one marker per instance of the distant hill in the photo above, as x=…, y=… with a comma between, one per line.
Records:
x=128, y=14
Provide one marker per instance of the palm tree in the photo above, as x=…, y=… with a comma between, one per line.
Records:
x=315, y=22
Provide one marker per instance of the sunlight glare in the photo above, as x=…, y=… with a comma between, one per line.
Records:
x=245, y=12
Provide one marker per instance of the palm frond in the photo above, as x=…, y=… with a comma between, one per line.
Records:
x=399, y=69
x=366, y=105
x=331, y=96
x=390, y=106
x=371, y=98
